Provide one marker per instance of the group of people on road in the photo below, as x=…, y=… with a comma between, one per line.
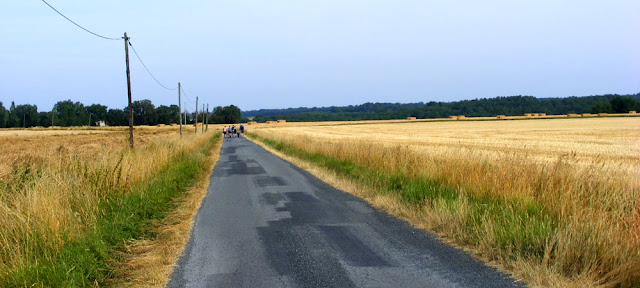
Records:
x=232, y=131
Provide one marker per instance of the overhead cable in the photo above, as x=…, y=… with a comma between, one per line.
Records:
x=145, y=67
x=74, y=23
x=185, y=94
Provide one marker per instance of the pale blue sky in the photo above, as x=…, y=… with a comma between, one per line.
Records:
x=279, y=54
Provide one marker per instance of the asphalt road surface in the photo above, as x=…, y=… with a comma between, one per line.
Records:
x=267, y=223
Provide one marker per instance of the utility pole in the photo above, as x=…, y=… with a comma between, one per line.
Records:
x=126, y=50
x=185, y=114
x=180, y=107
x=196, y=123
x=207, y=119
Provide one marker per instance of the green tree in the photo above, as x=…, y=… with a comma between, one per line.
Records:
x=13, y=120
x=226, y=115
x=65, y=113
x=117, y=117
x=144, y=113
x=44, y=119
x=231, y=114
x=4, y=116
x=70, y=114
x=624, y=104
x=167, y=114
x=97, y=113
x=602, y=107
x=27, y=115
x=216, y=116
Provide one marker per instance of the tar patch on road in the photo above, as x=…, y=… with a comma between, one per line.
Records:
x=300, y=197
x=265, y=181
x=271, y=198
x=352, y=250
x=299, y=251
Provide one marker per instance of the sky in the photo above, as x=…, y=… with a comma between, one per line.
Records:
x=281, y=54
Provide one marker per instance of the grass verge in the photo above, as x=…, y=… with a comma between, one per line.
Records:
x=149, y=262
x=89, y=258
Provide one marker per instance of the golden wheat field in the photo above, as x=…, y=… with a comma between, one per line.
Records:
x=582, y=175
x=53, y=181
x=614, y=140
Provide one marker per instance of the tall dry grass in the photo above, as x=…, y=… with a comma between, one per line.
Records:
x=582, y=176
x=52, y=185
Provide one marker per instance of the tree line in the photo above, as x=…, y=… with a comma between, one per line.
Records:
x=486, y=107
x=68, y=113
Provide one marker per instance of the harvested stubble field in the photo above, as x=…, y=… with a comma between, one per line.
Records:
x=554, y=201
x=56, y=184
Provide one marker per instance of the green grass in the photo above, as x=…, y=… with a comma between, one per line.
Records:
x=518, y=228
x=88, y=259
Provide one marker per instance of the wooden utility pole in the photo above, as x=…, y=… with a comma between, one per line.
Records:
x=185, y=114
x=207, y=119
x=126, y=50
x=196, y=123
x=180, y=107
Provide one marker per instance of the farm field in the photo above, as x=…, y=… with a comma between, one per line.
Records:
x=554, y=201
x=59, y=188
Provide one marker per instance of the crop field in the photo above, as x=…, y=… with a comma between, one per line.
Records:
x=554, y=201
x=58, y=184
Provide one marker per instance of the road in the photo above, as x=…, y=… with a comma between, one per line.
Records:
x=267, y=223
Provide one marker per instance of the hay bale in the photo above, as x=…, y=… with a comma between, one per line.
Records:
x=252, y=123
x=282, y=121
x=586, y=114
x=173, y=125
x=603, y=114
x=501, y=117
x=632, y=112
x=160, y=125
x=411, y=118
x=271, y=122
x=453, y=117
x=461, y=117
x=573, y=115
x=528, y=114
x=542, y=114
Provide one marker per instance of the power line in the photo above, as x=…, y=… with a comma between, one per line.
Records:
x=145, y=67
x=187, y=96
x=74, y=23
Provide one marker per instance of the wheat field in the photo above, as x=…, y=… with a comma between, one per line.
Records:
x=578, y=181
x=52, y=182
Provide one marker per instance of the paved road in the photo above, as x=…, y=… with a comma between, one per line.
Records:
x=266, y=223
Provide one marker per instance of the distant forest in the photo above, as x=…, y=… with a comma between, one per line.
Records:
x=512, y=105
x=68, y=113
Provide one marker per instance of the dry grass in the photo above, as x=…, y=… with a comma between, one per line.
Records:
x=585, y=173
x=53, y=181
x=149, y=263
